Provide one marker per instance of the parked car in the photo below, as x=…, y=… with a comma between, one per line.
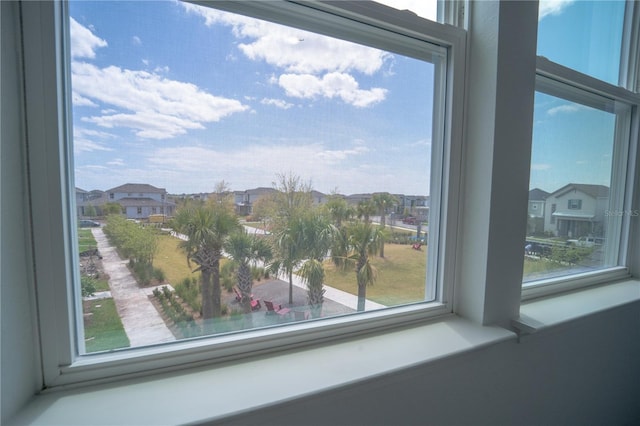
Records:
x=584, y=242
x=88, y=224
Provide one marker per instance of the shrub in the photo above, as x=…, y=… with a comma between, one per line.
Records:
x=189, y=291
x=88, y=286
x=159, y=275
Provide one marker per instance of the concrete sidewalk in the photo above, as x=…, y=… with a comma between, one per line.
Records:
x=347, y=299
x=142, y=322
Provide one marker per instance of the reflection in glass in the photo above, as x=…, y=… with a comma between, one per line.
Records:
x=583, y=35
x=569, y=212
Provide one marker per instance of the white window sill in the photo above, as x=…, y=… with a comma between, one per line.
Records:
x=216, y=392
x=537, y=315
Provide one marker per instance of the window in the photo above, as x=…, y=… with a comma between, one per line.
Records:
x=585, y=36
x=324, y=114
x=574, y=204
x=581, y=146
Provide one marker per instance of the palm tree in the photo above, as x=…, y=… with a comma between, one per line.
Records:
x=288, y=245
x=338, y=210
x=245, y=249
x=365, y=209
x=206, y=227
x=361, y=239
x=317, y=240
x=291, y=202
x=382, y=201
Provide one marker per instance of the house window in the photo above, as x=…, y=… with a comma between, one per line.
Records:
x=406, y=80
x=574, y=204
x=581, y=143
x=111, y=195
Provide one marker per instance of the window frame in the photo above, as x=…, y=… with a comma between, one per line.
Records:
x=46, y=37
x=585, y=89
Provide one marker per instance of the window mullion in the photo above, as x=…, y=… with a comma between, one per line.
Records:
x=630, y=52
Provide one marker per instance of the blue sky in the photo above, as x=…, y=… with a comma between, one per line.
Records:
x=573, y=143
x=183, y=97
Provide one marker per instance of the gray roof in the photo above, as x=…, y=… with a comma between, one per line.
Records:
x=137, y=187
x=537, y=194
x=142, y=202
x=595, y=191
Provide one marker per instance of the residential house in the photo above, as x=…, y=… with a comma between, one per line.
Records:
x=319, y=198
x=413, y=205
x=535, y=222
x=87, y=199
x=243, y=200
x=139, y=200
x=576, y=210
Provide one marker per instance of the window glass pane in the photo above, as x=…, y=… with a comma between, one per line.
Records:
x=210, y=147
x=583, y=35
x=570, y=226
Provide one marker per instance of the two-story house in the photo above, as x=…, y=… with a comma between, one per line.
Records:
x=243, y=200
x=576, y=210
x=535, y=211
x=139, y=200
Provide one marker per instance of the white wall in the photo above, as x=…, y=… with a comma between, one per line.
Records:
x=583, y=373
x=18, y=365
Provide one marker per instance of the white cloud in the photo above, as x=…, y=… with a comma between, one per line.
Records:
x=157, y=107
x=258, y=163
x=564, y=109
x=336, y=156
x=332, y=85
x=83, y=41
x=295, y=50
x=86, y=140
x=279, y=103
x=153, y=106
x=116, y=162
x=552, y=7
x=136, y=41
x=81, y=101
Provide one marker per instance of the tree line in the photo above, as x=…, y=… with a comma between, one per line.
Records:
x=301, y=237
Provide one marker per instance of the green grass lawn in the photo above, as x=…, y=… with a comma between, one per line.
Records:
x=539, y=267
x=103, y=329
x=401, y=276
x=85, y=240
x=172, y=260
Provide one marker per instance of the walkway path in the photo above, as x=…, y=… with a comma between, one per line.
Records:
x=142, y=322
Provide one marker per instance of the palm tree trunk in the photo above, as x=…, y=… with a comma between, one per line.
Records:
x=290, y=287
x=215, y=291
x=362, y=296
x=383, y=223
x=207, y=308
x=362, y=286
